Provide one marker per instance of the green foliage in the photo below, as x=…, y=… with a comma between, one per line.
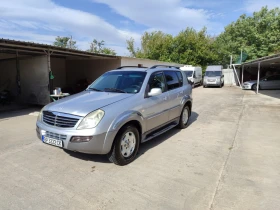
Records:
x=257, y=36
x=188, y=47
x=65, y=42
x=98, y=47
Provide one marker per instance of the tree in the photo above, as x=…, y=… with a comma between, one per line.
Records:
x=188, y=47
x=98, y=47
x=65, y=42
x=257, y=35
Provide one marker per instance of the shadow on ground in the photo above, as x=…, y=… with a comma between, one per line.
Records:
x=271, y=93
x=19, y=111
x=160, y=139
x=143, y=147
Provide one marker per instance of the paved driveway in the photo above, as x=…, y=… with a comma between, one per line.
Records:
x=228, y=158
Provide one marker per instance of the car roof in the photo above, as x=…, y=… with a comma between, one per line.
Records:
x=146, y=69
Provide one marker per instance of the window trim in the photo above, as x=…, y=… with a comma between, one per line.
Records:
x=154, y=73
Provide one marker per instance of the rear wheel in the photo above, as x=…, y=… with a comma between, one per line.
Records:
x=184, y=118
x=125, y=146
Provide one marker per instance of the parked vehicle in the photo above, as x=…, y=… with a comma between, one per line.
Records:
x=268, y=82
x=193, y=73
x=121, y=109
x=213, y=76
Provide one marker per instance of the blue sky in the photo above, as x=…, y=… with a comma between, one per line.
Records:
x=115, y=21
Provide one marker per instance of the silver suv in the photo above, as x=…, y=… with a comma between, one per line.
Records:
x=118, y=111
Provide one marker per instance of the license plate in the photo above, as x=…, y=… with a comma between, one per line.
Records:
x=54, y=142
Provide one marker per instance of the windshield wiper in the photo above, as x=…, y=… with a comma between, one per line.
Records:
x=114, y=90
x=95, y=89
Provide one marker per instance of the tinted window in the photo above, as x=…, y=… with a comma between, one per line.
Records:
x=274, y=77
x=171, y=80
x=180, y=77
x=213, y=73
x=157, y=81
x=189, y=73
x=126, y=81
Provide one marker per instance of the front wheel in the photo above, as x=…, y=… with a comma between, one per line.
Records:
x=125, y=146
x=254, y=87
x=184, y=118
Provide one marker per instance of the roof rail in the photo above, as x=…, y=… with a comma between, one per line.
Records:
x=167, y=66
x=122, y=67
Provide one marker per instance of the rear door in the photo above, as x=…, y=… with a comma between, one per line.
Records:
x=174, y=81
x=156, y=108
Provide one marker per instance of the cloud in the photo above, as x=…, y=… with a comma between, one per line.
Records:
x=167, y=15
x=255, y=5
x=42, y=20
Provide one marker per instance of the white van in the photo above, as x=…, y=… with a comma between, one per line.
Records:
x=193, y=73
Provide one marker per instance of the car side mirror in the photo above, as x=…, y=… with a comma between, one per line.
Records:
x=155, y=92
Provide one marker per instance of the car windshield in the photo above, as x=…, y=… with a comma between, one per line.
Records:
x=189, y=73
x=213, y=73
x=119, y=82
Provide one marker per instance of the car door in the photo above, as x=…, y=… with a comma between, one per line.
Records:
x=268, y=83
x=175, y=90
x=156, y=108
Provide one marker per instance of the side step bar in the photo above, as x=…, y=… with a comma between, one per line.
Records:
x=153, y=135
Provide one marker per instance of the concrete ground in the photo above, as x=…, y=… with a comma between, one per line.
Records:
x=228, y=158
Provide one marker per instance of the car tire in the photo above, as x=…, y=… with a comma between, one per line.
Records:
x=183, y=123
x=120, y=154
x=204, y=86
x=254, y=87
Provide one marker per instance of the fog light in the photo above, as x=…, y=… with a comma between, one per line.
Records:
x=78, y=139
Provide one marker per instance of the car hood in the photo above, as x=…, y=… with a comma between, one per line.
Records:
x=85, y=102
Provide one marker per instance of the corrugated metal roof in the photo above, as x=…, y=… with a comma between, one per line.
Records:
x=263, y=59
x=15, y=44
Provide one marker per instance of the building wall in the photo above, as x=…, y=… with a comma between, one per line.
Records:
x=230, y=78
x=127, y=61
x=34, y=80
x=8, y=73
x=88, y=69
x=58, y=66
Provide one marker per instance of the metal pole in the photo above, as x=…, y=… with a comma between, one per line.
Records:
x=230, y=61
x=242, y=74
x=18, y=74
x=236, y=76
x=258, y=82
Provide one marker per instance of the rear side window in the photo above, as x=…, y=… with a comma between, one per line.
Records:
x=180, y=77
x=171, y=80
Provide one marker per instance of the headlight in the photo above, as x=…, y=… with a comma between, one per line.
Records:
x=91, y=120
x=39, y=118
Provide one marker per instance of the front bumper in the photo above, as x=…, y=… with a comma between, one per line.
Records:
x=216, y=83
x=94, y=146
x=247, y=86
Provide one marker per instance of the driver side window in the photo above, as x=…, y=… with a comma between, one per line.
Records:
x=157, y=81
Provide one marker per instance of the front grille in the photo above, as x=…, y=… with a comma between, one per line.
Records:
x=59, y=119
x=55, y=136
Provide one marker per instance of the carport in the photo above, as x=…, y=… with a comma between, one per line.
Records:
x=259, y=68
x=31, y=71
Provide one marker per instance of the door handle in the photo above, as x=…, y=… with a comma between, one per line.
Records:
x=165, y=98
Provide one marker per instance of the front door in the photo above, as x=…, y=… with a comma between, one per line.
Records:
x=269, y=82
x=175, y=88
x=156, y=107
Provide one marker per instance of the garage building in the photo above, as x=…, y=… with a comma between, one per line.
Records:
x=30, y=71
